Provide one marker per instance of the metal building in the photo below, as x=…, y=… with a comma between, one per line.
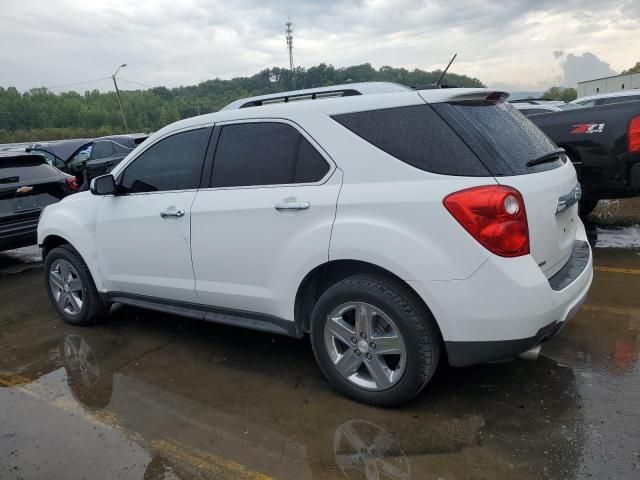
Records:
x=609, y=84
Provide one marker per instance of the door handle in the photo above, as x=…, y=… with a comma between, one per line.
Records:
x=292, y=206
x=172, y=214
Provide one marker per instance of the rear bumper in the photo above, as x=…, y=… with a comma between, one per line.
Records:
x=508, y=305
x=18, y=231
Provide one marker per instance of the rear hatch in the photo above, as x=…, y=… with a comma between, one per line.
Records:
x=521, y=156
x=27, y=185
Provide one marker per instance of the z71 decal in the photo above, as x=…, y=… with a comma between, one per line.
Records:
x=588, y=128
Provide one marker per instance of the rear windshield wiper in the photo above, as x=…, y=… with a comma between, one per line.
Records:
x=546, y=158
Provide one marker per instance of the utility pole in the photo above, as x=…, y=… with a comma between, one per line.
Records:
x=289, y=32
x=290, y=44
x=124, y=120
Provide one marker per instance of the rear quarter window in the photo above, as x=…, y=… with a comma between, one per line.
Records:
x=504, y=138
x=416, y=135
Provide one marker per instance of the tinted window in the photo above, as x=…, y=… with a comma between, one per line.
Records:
x=610, y=100
x=81, y=156
x=174, y=163
x=253, y=154
x=417, y=135
x=101, y=149
x=310, y=166
x=504, y=139
x=533, y=111
x=120, y=148
x=50, y=159
x=18, y=170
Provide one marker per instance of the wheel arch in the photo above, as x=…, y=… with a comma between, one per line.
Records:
x=320, y=278
x=56, y=239
x=52, y=241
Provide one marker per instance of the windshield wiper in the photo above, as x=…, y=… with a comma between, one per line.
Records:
x=546, y=158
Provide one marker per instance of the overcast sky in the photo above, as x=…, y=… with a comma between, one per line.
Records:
x=511, y=44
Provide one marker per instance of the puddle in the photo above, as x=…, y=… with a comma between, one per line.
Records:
x=621, y=237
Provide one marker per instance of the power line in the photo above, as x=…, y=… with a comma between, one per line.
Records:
x=137, y=83
x=80, y=83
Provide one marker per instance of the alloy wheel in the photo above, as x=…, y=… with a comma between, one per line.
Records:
x=365, y=346
x=66, y=287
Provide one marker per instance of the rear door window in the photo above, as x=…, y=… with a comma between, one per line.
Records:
x=504, y=139
x=310, y=167
x=416, y=135
x=102, y=149
x=265, y=153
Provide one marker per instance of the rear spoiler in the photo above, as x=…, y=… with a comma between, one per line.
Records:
x=463, y=95
x=489, y=96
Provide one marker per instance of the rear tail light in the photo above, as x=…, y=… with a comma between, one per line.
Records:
x=495, y=216
x=633, y=135
x=72, y=183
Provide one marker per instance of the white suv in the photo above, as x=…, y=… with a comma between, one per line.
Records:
x=393, y=228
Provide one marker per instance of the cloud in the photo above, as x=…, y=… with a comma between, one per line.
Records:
x=172, y=43
x=587, y=66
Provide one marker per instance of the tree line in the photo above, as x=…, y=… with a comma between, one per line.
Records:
x=40, y=114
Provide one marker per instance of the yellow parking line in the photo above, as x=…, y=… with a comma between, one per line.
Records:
x=632, y=271
x=213, y=465
x=218, y=467
x=12, y=380
x=613, y=310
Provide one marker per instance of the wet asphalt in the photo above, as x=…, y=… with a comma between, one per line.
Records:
x=150, y=396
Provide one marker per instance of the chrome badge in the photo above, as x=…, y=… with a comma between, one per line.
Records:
x=568, y=199
x=24, y=189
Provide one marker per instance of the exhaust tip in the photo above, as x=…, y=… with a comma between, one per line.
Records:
x=531, y=354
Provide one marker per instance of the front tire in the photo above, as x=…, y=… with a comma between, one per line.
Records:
x=374, y=340
x=70, y=287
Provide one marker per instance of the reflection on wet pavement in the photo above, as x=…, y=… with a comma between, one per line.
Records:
x=145, y=395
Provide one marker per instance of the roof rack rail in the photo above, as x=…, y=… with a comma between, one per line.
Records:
x=333, y=91
x=293, y=97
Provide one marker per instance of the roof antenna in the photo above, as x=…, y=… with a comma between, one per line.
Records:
x=445, y=70
x=432, y=86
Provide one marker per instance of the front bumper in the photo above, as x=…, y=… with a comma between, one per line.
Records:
x=508, y=306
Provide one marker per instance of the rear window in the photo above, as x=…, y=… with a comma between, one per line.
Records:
x=416, y=135
x=504, y=139
x=24, y=169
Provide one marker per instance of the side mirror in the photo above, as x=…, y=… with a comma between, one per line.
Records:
x=103, y=185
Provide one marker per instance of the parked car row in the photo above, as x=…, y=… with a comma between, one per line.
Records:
x=27, y=185
x=601, y=135
x=87, y=158
x=38, y=175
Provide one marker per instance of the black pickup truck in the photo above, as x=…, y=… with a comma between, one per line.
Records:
x=603, y=142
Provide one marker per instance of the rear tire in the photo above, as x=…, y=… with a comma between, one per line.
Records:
x=398, y=323
x=70, y=287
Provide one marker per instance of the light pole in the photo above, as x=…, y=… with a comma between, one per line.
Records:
x=124, y=120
